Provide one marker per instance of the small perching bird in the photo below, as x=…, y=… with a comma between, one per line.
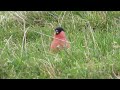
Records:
x=60, y=41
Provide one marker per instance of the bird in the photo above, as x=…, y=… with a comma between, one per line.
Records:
x=60, y=41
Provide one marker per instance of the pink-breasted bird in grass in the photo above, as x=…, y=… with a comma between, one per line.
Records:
x=60, y=41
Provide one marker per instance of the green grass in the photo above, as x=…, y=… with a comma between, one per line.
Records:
x=94, y=52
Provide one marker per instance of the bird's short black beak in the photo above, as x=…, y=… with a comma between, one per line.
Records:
x=57, y=32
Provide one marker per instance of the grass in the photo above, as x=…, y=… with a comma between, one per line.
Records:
x=25, y=38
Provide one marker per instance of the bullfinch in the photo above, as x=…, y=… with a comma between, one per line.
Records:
x=60, y=41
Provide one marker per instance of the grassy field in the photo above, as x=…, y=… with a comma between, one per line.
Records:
x=25, y=38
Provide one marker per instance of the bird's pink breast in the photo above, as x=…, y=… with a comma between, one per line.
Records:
x=60, y=41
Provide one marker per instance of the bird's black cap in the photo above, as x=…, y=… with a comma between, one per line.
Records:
x=58, y=30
